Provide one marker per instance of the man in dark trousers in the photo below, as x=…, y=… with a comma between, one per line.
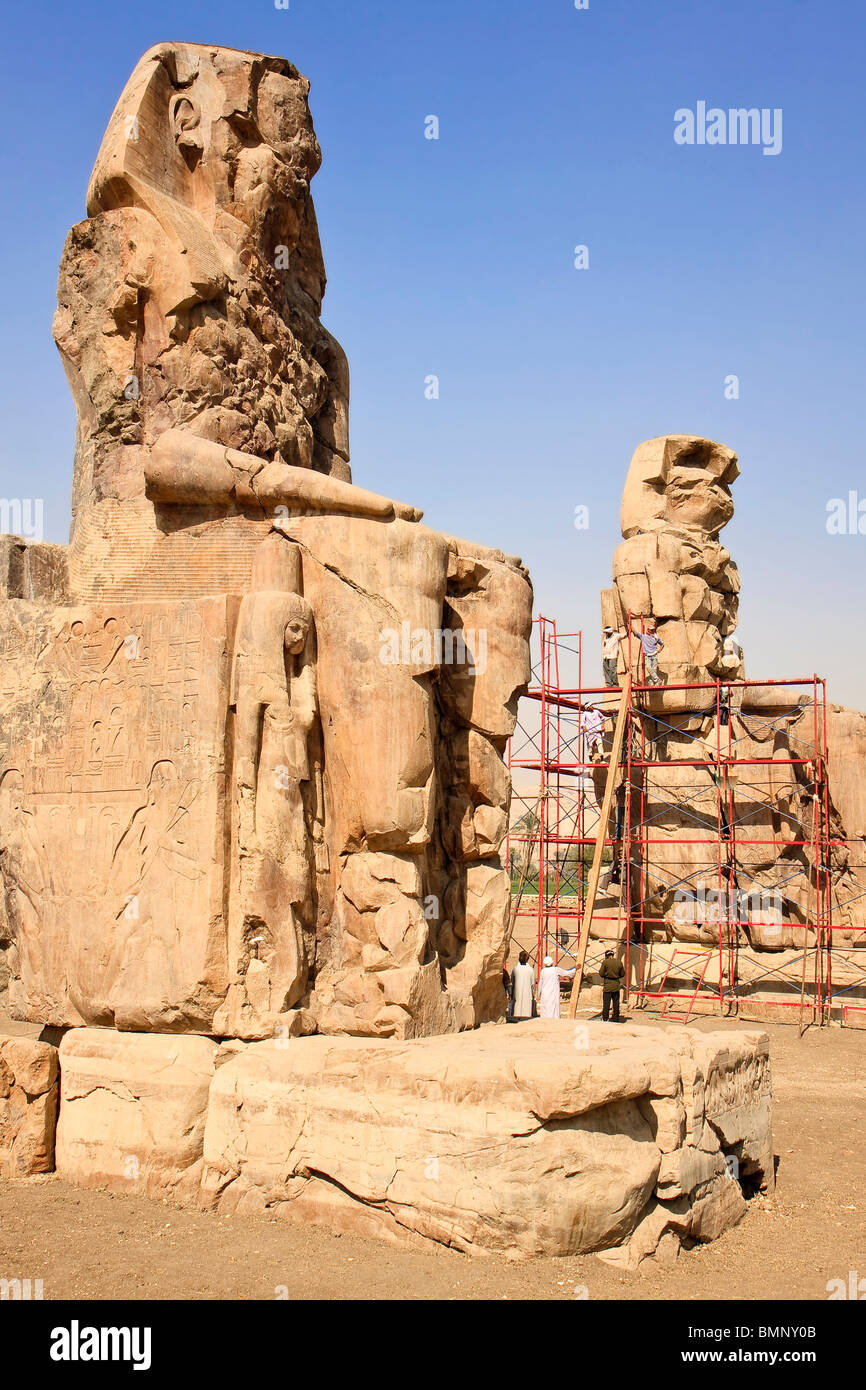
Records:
x=612, y=976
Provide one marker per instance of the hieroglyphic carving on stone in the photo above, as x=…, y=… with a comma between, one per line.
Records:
x=116, y=772
x=24, y=859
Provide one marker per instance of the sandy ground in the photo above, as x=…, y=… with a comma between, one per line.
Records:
x=93, y=1245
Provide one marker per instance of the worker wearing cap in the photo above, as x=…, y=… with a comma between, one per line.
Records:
x=652, y=644
x=609, y=655
x=612, y=976
x=548, y=988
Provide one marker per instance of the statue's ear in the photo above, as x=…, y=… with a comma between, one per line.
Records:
x=185, y=118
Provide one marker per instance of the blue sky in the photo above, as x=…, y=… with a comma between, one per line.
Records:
x=455, y=257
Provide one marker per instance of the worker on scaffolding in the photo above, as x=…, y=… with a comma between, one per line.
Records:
x=592, y=722
x=652, y=644
x=610, y=656
x=612, y=974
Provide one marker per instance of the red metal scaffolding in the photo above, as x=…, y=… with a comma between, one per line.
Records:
x=555, y=822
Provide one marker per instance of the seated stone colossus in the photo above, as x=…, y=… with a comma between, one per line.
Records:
x=222, y=810
x=754, y=749
x=671, y=565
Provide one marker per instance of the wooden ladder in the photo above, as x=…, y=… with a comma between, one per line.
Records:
x=598, y=854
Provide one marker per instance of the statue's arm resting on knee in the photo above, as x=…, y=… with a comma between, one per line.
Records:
x=183, y=467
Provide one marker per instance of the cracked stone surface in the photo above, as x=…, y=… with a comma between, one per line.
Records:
x=539, y=1138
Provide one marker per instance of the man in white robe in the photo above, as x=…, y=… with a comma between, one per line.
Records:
x=592, y=723
x=548, y=988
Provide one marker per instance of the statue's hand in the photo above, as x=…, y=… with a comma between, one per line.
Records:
x=278, y=484
x=404, y=512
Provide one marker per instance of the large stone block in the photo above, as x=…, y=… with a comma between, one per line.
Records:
x=132, y=1111
x=32, y=570
x=28, y=1106
x=539, y=1138
x=846, y=739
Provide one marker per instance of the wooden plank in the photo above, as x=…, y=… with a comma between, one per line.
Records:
x=621, y=624
x=595, y=871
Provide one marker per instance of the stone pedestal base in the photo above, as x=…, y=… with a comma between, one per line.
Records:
x=543, y=1138
x=132, y=1111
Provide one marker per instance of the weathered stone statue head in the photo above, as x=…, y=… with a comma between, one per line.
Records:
x=214, y=130
x=189, y=301
x=679, y=483
x=671, y=565
x=218, y=141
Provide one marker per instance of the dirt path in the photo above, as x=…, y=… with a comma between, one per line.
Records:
x=92, y=1245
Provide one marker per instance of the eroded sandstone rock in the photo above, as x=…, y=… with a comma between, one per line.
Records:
x=671, y=565
x=28, y=1106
